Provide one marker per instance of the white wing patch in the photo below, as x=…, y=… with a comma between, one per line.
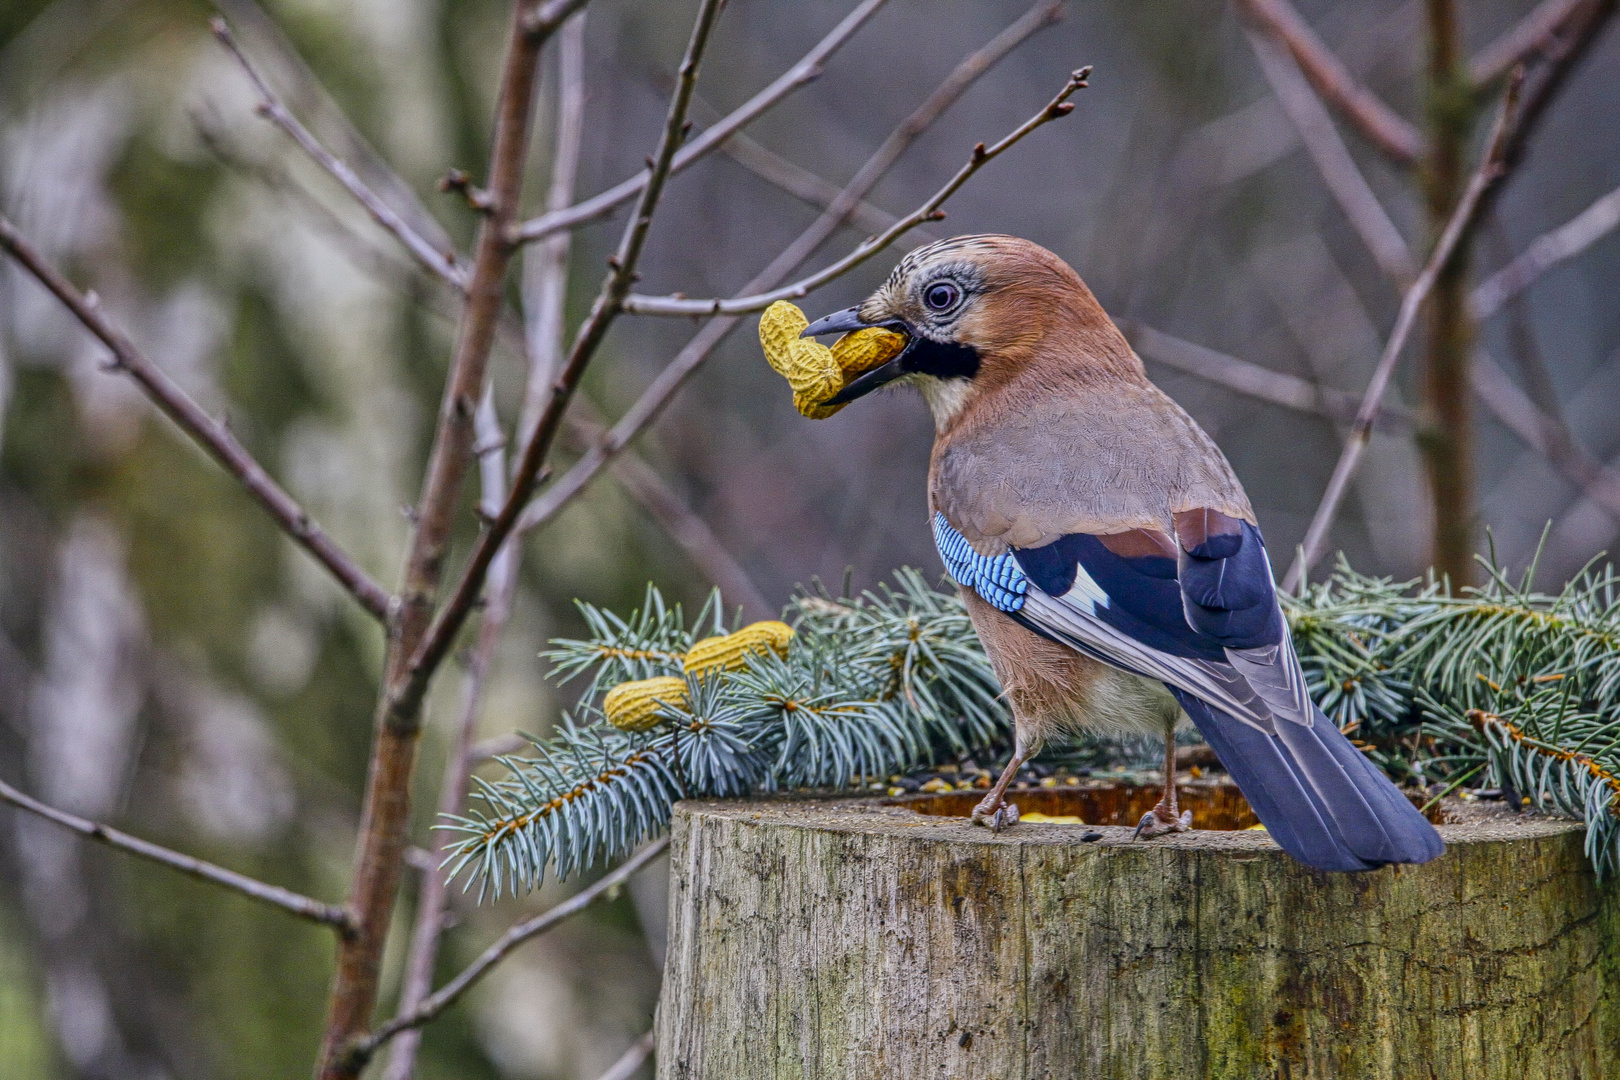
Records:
x=1085, y=592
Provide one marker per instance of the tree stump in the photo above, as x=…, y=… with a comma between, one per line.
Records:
x=847, y=939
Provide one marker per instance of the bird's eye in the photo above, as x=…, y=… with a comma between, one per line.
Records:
x=942, y=296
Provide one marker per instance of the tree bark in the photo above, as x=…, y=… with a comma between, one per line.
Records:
x=853, y=939
x=1446, y=435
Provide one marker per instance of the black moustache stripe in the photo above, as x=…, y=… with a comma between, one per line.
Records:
x=942, y=359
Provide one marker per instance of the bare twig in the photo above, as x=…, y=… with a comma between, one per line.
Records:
x=694, y=535
x=304, y=94
x=1529, y=36
x=386, y=813
x=1545, y=252
x=1344, y=180
x=1490, y=171
x=1059, y=106
x=630, y=1061
x=806, y=70
x=1544, y=433
x=212, y=435
x=1255, y=381
x=653, y=400
x=405, y=696
x=1376, y=121
x=362, y=1047
x=442, y=263
x=548, y=262
x=808, y=187
x=274, y=895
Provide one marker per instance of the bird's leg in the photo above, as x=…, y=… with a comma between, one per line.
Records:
x=1164, y=817
x=994, y=810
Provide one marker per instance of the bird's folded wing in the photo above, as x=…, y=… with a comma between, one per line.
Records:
x=1119, y=598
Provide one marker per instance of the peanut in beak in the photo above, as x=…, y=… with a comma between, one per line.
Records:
x=814, y=371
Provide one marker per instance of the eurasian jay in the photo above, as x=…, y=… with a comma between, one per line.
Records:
x=1108, y=556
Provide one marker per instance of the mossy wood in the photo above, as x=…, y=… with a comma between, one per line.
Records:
x=841, y=940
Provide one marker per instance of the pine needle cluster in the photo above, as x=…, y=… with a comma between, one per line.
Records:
x=870, y=686
x=1510, y=690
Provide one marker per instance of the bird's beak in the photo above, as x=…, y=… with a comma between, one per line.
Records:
x=849, y=320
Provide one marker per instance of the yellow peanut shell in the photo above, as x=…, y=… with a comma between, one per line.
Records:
x=814, y=371
x=729, y=652
x=634, y=706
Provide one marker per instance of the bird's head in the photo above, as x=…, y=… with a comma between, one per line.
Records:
x=976, y=312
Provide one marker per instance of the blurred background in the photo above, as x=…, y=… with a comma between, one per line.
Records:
x=171, y=664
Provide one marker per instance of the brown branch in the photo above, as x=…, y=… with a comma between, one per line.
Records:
x=806, y=70
x=1542, y=86
x=1378, y=123
x=362, y=1047
x=810, y=188
x=1545, y=252
x=442, y=263
x=549, y=263
x=653, y=400
x=1344, y=180
x=1058, y=107
x=212, y=435
x=1531, y=35
x=274, y=895
x=386, y=813
x=1491, y=169
x=1254, y=381
x=404, y=696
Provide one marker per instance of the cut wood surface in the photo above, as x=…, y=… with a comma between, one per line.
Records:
x=845, y=939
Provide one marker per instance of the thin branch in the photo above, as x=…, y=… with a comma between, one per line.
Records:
x=1376, y=121
x=694, y=536
x=442, y=263
x=1545, y=252
x=274, y=895
x=1544, y=433
x=212, y=435
x=1492, y=168
x=305, y=94
x=1058, y=107
x=810, y=188
x=653, y=400
x=1255, y=381
x=806, y=70
x=386, y=814
x=548, y=264
x=631, y=1059
x=1344, y=180
x=362, y=1047
x=1526, y=38
x=404, y=698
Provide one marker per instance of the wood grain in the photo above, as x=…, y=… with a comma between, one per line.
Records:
x=852, y=939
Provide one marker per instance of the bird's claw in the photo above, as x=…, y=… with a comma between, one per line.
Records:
x=1153, y=824
x=1003, y=816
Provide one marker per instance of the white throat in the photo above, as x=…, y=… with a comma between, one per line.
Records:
x=945, y=397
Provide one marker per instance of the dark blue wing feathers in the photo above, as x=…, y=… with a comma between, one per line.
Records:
x=1230, y=598
x=1317, y=795
x=1144, y=597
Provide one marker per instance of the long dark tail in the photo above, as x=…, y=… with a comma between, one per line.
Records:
x=1318, y=797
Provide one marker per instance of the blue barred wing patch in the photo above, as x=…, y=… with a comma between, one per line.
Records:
x=998, y=579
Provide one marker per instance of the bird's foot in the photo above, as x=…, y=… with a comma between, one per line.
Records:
x=995, y=813
x=1160, y=821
